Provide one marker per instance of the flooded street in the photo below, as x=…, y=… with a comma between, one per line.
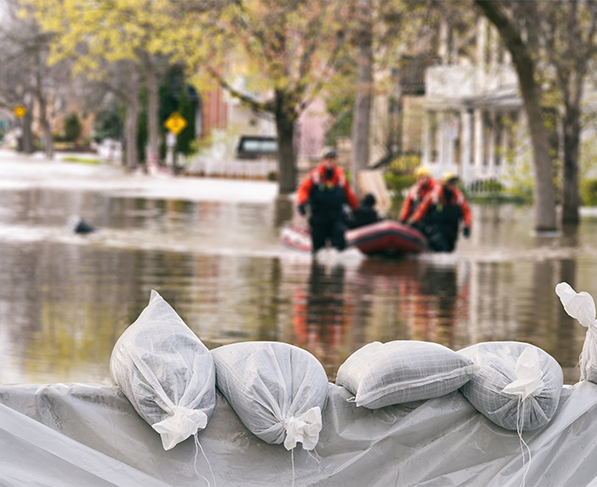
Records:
x=210, y=248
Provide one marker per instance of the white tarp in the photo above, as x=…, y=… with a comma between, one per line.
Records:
x=90, y=435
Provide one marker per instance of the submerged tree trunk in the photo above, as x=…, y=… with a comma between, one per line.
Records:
x=26, y=133
x=286, y=158
x=152, y=156
x=45, y=124
x=362, y=108
x=572, y=56
x=48, y=140
x=132, y=122
x=570, y=176
x=544, y=194
x=43, y=110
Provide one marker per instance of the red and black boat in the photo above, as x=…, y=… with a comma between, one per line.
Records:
x=387, y=237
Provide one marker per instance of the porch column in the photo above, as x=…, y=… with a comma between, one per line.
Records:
x=426, y=149
x=492, y=145
x=478, y=138
x=466, y=145
x=443, y=150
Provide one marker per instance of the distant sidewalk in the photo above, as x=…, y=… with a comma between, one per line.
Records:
x=34, y=170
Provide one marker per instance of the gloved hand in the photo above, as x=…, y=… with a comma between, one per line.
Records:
x=466, y=231
x=302, y=210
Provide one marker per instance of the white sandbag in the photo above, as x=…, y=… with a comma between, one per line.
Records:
x=518, y=385
x=401, y=371
x=166, y=372
x=581, y=307
x=277, y=390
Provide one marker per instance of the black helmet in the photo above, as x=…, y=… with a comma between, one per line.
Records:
x=369, y=200
x=329, y=153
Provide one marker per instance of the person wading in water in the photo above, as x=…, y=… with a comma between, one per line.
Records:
x=326, y=191
x=417, y=193
x=439, y=214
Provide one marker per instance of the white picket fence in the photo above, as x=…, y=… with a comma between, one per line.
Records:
x=251, y=169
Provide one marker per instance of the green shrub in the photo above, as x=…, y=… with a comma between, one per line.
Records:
x=108, y=124
x=494, y=186
x=398, y=183
x=521, y=194
x=72, y=127
x=404, y=165
x=519, y=182
x=588, y=192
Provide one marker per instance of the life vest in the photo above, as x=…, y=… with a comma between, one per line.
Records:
x=327, y=197
x=317, y=181
x=448, y=214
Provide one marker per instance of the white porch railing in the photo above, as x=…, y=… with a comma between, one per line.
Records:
x=251, y=169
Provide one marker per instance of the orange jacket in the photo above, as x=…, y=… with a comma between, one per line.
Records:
x=317, y=176
x=437, y=197
x=416, y=194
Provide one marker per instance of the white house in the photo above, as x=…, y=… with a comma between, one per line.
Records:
x=471, y=110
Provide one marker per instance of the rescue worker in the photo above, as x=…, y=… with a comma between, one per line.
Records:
x=439, y=215
x=417, y=192
x=326, y=191
x=365, y=214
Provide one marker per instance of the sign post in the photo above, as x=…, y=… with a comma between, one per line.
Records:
x=19, y=111
x=175, y=123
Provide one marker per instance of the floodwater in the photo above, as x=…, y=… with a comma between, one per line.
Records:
x=211, y=249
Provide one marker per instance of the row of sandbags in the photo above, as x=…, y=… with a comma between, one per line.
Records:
x=278, y=390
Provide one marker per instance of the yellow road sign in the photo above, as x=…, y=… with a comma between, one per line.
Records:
x=175, y=123
x=19, y=111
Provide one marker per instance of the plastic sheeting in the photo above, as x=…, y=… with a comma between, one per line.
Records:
x=82, y=434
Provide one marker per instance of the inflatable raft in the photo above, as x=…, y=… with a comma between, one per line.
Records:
x=386, y=237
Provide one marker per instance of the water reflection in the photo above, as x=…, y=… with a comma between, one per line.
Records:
x=65, y=300
x=322, y=314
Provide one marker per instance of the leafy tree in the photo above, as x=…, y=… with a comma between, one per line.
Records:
x=553, y=45
x=340, y=111
x=385, y=34
x=285, y=50
x=570, y=42
x=174, y=95
x=102, y=37
x=25, y=76
x=361, y=127
x=507, y=16
x=177, y=95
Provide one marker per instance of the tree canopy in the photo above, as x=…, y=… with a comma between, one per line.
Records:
x=108, y=39
x=275, y=57
x=278, y=56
